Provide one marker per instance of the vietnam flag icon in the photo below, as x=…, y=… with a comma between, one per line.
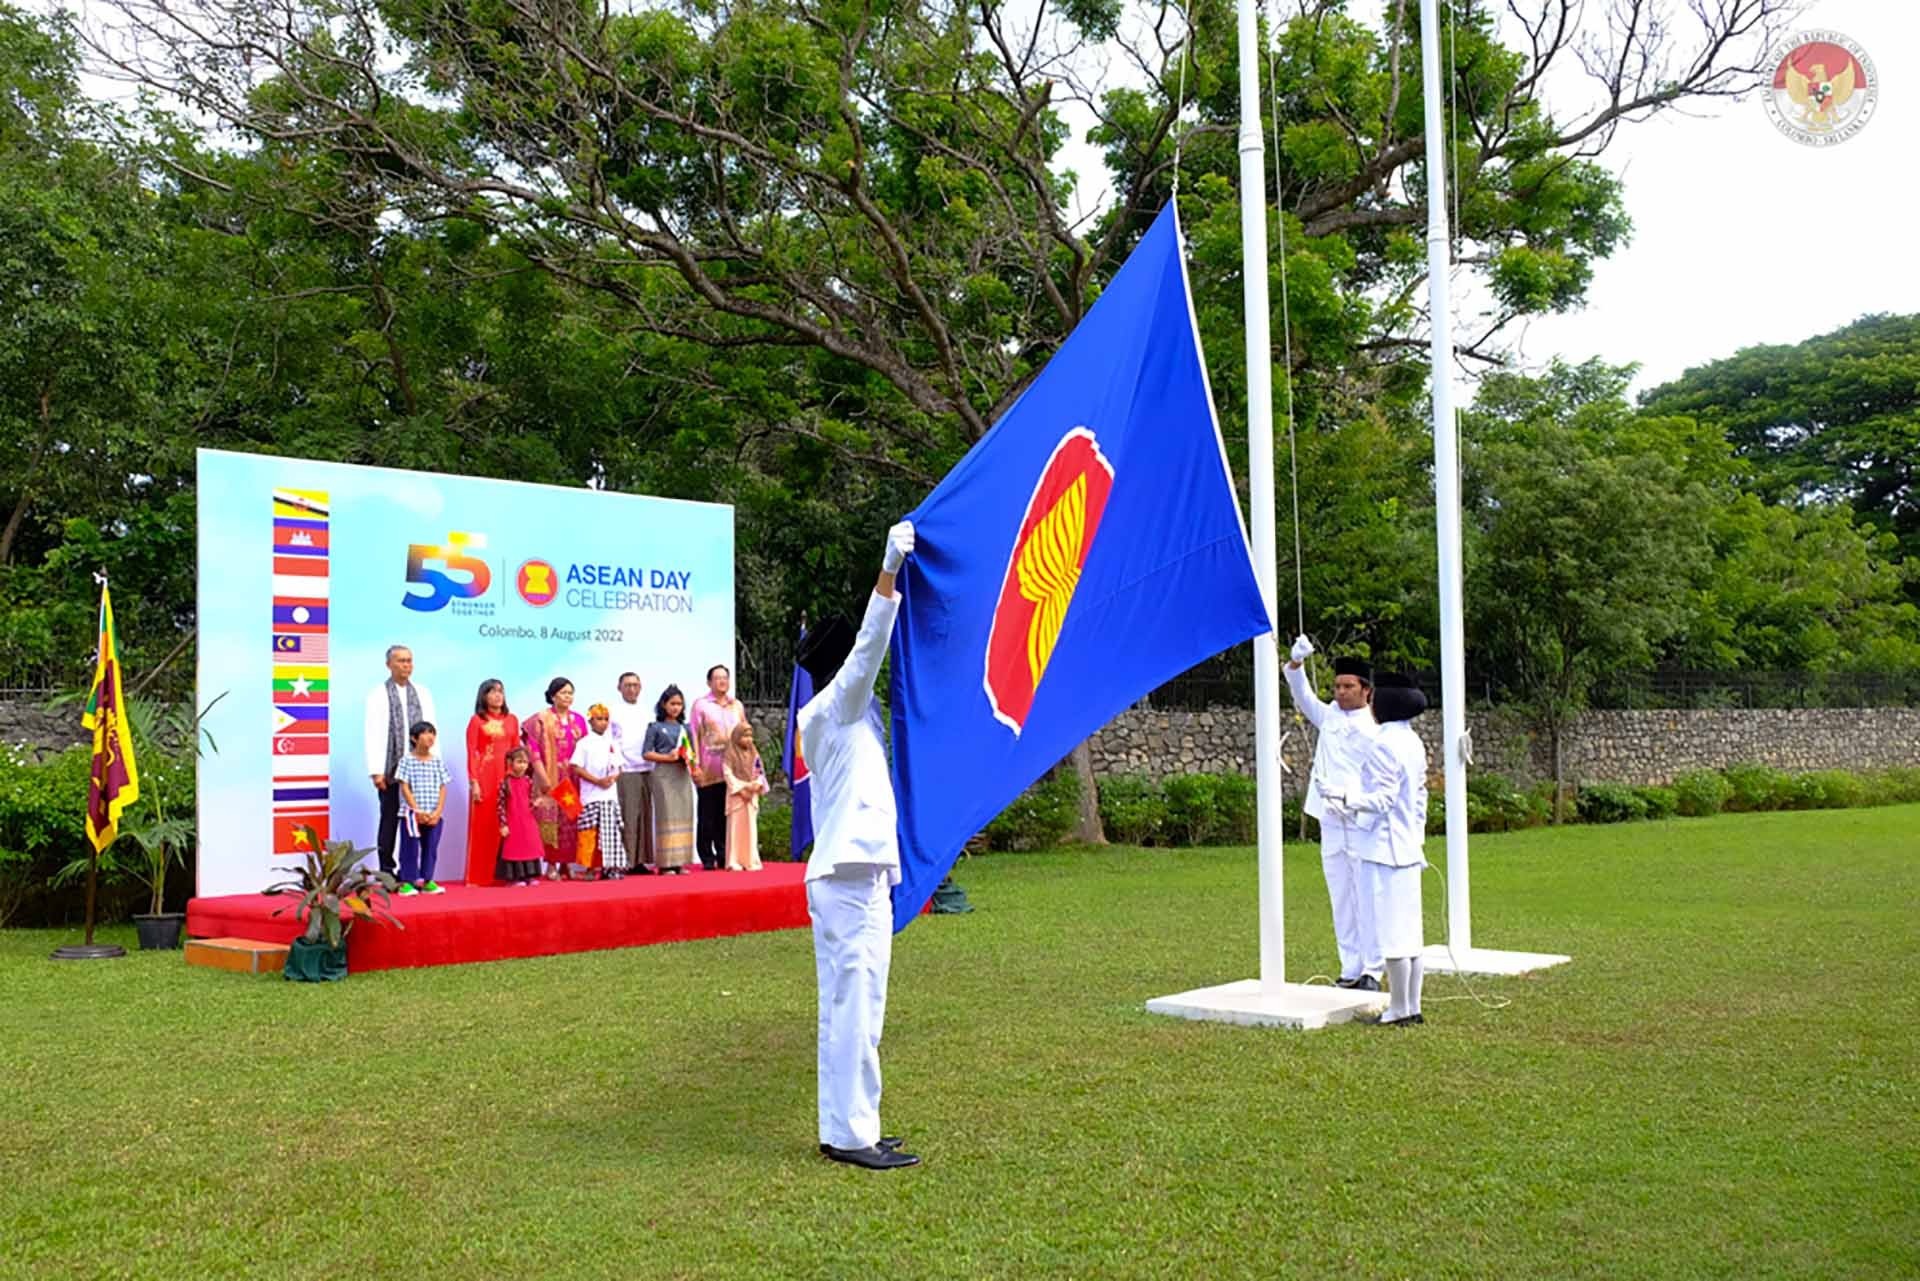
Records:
x=288, y=839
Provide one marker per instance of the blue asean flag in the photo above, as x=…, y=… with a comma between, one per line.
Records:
x=1085, y=551
x=794, y=762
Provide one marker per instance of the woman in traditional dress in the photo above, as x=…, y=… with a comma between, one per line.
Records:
x=551, y=737
x=668, y=747
x=491, y=734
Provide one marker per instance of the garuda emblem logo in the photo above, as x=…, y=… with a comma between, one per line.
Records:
x=1056, y=535
x=1824, y=88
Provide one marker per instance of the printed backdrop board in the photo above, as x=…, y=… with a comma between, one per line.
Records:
x=309, y=571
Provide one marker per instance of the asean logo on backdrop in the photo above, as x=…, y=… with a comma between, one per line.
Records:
x=1824, y=88
x=1055, y=537
x=537, y=583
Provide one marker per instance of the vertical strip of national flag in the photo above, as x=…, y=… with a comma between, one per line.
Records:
x=301, y=717
x=794, y=762
x=115, y=781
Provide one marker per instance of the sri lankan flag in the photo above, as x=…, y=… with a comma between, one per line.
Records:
x=115, y=783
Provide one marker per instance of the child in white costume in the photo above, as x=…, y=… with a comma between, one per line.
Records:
x=1389, y=811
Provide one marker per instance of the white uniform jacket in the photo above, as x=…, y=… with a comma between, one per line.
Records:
x=1390, y=804
x=855, y=821
x=1345, y=738
x=375, y=730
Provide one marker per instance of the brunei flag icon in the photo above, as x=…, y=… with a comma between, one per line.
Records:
x=1085, y=551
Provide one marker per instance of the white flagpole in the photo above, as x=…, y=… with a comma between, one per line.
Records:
x=1266, y=653
x=1458, y=953
x=1446, y=489
x=1268, y=1000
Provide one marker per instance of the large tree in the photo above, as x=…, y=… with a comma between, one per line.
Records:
x=1835, y=418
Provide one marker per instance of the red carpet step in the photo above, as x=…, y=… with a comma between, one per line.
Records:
x=494, y=923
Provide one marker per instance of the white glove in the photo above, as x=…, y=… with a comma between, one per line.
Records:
x=1302, y=647
x=899, y=547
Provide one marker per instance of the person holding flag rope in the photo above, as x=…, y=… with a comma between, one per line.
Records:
x=1347, y=730
x=854, y=867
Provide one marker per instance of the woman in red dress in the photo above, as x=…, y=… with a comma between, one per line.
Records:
x=491, y=734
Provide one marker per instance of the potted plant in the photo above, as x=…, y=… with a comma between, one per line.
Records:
x=160, y=827
x=335, y=890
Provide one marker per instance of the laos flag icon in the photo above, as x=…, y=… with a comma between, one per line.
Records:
x=1088, y=549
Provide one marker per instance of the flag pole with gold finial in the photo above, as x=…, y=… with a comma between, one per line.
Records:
x=114, y=782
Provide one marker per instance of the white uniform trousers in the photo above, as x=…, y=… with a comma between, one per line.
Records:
x=852, y=913
x=1353, y=930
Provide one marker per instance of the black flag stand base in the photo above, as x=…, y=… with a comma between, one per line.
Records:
x=87, y=952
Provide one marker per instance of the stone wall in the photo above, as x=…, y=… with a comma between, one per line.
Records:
x=1611, y=746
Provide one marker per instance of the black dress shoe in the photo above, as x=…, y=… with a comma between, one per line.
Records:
x=873, y=1158
x=1409, y=1021
x=1365, y=983
x=887, y=1143
x=1346, y=982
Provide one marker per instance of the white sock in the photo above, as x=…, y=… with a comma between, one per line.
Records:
x=1419, y=974
x=1399, y=984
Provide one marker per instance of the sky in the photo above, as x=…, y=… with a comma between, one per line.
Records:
x=1741, y=235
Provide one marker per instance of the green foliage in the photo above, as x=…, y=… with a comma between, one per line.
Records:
x=1835, y=416
x=1610, y=803
x=1192, y=808
x=1701, y=793
x=776, y=833
x=1495, y=803
x=1132, y=810
x=332, y=890
x=1236, y=810
x=1830, y=789
x=1039, y=818
x=1754, y=788
x=1659, y=802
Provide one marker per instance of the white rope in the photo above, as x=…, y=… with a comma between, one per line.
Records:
x=1180, y=103
x=1286, y=340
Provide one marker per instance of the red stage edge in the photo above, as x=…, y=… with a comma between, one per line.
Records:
x=501, y=922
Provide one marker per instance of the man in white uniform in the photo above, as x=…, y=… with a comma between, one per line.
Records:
x=1389, y=807
x=854, y=867
x=1347, y=730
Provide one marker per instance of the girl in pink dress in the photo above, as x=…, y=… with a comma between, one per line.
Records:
x=519, y=833
x=746, y=784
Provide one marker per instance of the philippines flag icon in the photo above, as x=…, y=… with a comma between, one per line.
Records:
x=299, y=719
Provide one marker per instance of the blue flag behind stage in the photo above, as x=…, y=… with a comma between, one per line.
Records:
x=799, y=692
x=1087, y=550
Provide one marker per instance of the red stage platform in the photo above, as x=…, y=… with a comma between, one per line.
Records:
x=493, y=923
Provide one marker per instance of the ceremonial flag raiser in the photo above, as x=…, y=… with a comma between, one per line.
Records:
x=794, y=762
x=115, y=781
x=1085, y=551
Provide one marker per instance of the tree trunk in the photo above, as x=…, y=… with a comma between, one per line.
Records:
x=27, y=477
x=1091, y=831
x=1559, y=776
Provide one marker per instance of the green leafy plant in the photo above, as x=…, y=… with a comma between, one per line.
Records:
x=1133, y=810
x=1658, y=801
x=1610, y=803
x=1192, y=801
x=1041, y=817
x=159, y=827
x=1701, y=793
x=335, y=890
x=1754, y=788
x=776, y=833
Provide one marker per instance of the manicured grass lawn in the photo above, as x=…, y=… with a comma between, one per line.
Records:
x=1725, y=1082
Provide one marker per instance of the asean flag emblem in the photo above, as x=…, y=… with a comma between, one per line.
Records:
x=537, y=583
x=1057, y=533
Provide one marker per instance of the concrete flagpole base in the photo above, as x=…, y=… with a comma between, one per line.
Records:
x=1441, y=959
x=1304, y=1006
